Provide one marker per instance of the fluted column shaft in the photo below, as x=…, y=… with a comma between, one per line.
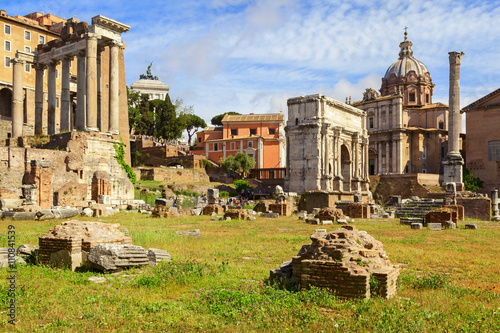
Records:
x=113, y=89
x=65, y=96
x=17, y=98
x=91, y=83
x=52, y=98
x=39, y=99
x=81, y=107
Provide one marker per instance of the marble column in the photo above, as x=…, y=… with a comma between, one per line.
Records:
x=91, y=83
x=81, y=86
x=65, y=96
x=379, y=171
x=114, y=109
x=387, y=157
x=454, y=101
x=52, y=98
x=39, y=68
x=17, y=98
x=100, y=124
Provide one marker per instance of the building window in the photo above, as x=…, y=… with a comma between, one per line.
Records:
x=494, y=150
x=199, y=139
x=6, y=29
x=411, y=97
x=234, y=131
x=371, y=122
x=441, y=125
x=27, y=68
x=7, y=62
x=250, y=144
x=27, y=49
x=272, y=131
x=424, y=168
x=57, y=102
x=7, y=46
x=427, y=98
x=27, y=35
x=442, y=152
x=424, y=152
x=216, y=146
x=253, y=131
x=41, y=39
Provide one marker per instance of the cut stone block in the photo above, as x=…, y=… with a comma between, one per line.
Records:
x=471, y=226
x=327, y=222
x=191, y=233
x=416, y=225
x=313, y=221
x=435, y=226
x=450, y=225
x=342, y=221
x=156, y=255
x=113, y=257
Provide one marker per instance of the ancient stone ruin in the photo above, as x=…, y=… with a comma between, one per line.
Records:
x=68, y=244
x=351, y=263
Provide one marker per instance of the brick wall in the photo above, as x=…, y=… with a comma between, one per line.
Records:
x=172, y=175
x=476, y=208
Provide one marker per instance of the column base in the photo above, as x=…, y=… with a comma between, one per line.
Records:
x=91, y=129
x=114, y=132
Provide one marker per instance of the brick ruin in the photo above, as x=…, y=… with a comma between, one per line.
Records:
x=68, y=244
x=351, y=263
x=355, y=210
x=443, y=214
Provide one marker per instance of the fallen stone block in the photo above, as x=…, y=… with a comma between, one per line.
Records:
x=471, y=226
x=217, y=218
x=435, y=226
x=271, y=215
x=251, y=218
x=114, y=257
x=450, y=225
x=315, y=211
x=191, y=233
x=45, y=214
x=19, y=215
x=97, y=279
x=416, y=225
x=327, y=222
x=410, y=220
x=156, y=255
x=87, y=212
x=18, y=260
x=313, y=221
x=196, y=211
x=10, y=203
x=228, y=218
x=342, y=221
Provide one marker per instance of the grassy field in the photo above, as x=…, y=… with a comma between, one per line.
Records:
x=450, y=282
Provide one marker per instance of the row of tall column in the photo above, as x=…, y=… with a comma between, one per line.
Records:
x=392, y=153
x=88, y=91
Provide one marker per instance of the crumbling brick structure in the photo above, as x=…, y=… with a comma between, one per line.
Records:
x=212, y=208
x=69, y=243
x=41, y=175
x=345, y=260
x=356, y=210
x=330, y=214
x=236, y=214
x=101, y=184
x=282, y=209
x=445, y=213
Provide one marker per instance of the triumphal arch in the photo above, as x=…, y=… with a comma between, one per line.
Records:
x=327, y=146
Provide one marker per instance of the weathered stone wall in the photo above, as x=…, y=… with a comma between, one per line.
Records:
x=356, y=210
x=445, y=213
x=476, y=208
x=172, y=175
x=282, y=209
x=316, y=199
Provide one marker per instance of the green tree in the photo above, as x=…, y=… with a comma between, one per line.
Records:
x=217, y=120
x=240, y=163
x=471, y=183
x=193, y=123
x=168, y=124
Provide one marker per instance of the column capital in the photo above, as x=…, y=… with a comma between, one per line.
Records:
x=39, y=66
x=455, y=57
x=54, y=62
x=17, y=61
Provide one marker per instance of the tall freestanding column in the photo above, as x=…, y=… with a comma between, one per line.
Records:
x=52, y=98
x=65, y=96
x=91, y=83
x=17, y=98
x=81, y=100
x=113, y=88
x=39, y=68
x=453, y=163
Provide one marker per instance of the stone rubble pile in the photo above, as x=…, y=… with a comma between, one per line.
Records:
x=343, y=260
x=116, y=257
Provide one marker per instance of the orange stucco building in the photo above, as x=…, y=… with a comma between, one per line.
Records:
x=261, y=136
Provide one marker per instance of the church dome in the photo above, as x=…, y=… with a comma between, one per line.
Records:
x=406, y=62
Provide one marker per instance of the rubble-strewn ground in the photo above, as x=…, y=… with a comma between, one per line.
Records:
x=449, y=281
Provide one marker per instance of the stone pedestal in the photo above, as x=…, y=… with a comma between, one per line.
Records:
x=282, y=209
x=29, y=194
x=213, y=196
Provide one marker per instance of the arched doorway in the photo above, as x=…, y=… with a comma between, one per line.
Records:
x=5, y=103
x=345, y=167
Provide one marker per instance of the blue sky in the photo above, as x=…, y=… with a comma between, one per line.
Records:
x=251, y=56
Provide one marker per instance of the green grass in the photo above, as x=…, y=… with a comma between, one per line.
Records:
x=218, y=283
